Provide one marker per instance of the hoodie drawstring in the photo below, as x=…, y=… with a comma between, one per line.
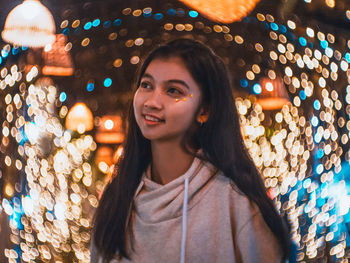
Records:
x=184, y=222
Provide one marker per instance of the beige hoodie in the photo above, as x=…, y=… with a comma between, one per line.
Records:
x=198, y=217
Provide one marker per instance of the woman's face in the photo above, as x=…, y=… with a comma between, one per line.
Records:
x=167, y=100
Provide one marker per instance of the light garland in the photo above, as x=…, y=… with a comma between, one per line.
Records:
x=47, y=220
x=302, y=149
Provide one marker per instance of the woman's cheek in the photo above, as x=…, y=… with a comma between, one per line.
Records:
x=137, y=105
x=137, y=100
x=183, y=110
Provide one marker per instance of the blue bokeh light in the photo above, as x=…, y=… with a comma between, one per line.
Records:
x=87, y=26
x=158, y=16
x=65, y=31
x=117, y=22
x=302, y=41
x=90, y=86
x=257, y=88
x=347, y=57
x=274, y=26
x=96, y=22
x=171, y=12
x=244, y=83
x=283, y=29
x=107, y=82
x=15, y=51
x=324, y=44
x=317, y=104
x=193, y=13
x=319, y=153
x=63, y=96
x=107, y=24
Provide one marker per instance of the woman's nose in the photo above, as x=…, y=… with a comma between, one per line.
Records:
x=154, y=100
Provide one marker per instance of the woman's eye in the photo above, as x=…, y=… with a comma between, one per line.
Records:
x=145, y=85
x=174, y=91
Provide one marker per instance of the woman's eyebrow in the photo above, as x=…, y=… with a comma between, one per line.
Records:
x=178, y=81
x=146, y=75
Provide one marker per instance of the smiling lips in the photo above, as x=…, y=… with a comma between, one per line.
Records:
x=151, y=119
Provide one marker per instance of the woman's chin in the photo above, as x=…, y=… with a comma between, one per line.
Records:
x=161, y=137
x=151, y=137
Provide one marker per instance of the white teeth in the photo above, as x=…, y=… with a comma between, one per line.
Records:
x=151, y=118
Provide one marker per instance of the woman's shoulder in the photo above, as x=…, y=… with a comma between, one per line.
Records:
x=225, y=186
x=239, y=203
x=229, y=184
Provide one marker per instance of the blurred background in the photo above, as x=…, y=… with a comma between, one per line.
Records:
x=67, y=72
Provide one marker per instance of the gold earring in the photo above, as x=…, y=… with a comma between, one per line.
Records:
x=202, y=119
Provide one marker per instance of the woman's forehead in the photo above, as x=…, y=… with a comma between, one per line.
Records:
x=163, y=69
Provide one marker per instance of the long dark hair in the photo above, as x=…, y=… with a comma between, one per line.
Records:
x=219, y=138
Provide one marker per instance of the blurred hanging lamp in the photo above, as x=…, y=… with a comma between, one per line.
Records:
x=56, y=58
x=273, y=94
x=104, y=154
x=29, y=24
x=80, y=118
x=110, y=130
x=224, y=11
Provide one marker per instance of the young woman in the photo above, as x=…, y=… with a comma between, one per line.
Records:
x=186, y=189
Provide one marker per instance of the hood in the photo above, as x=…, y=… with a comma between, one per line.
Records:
x=159, y=203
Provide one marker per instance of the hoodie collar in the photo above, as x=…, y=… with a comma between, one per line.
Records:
x=163, y=202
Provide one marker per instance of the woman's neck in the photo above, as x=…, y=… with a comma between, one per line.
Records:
x=169, y=161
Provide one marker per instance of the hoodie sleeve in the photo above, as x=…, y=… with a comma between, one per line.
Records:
x=256, y=242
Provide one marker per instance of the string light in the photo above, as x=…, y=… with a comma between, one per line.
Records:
x=301, y=150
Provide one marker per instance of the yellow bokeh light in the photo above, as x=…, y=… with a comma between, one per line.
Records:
x=239, y=39
x=85, y=42
x=330, y=3
x=76, y=23
x=9, y=191
x=179, y=27
x=117, y=63
x=168, y=26
x=64, y=23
